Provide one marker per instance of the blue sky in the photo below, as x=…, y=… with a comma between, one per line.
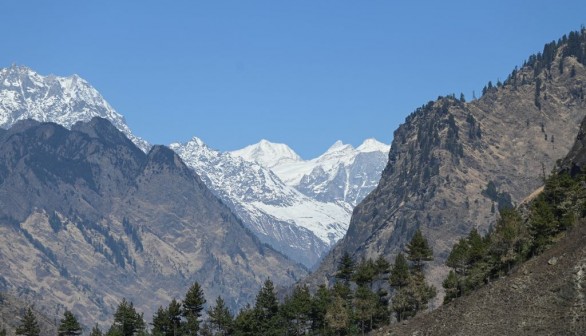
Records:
x=305, y=73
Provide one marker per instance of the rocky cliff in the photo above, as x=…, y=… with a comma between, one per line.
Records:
x=453, y=163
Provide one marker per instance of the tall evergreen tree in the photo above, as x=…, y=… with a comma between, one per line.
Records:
x=338, y=315
x=220, y=317
x=345, y=268
x=192, y=308
x=245, y=323
x=297, y=310
x=319, y=305
x=266, y=310
x=399, y=272
x=69, y=325
x=127, y=321
x=96, y=331
x=418, y=250
x=28, y=324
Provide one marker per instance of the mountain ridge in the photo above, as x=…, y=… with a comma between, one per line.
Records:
x=88, y=219
x=452, y=163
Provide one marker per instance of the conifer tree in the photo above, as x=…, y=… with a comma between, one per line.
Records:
x=365, y=273
x=319, y=305
x=297, y=310
x=3, y=332
x=96, y=331
x=28, y=324
x=245, y=323
x=160, y=322
x=220, y=317
x=192, y=308
x=365, y=307
x=345, y=268
x=400, y=272
x=337, y=315
x=418, y=250
x=127, y=321
x=266, y=309
x=69, y=325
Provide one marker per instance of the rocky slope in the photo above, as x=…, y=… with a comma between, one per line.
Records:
x=299, y=226
x=453, y=163
x=341, y=174
x=87, y=218
x=25, y=94
x=544, y=296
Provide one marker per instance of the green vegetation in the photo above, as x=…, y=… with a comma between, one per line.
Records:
x=69, y=325
x=364, y=296
x=476, y=260
x=28, y=324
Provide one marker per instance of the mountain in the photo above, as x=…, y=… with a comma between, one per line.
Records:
x=452, y=163
x=299, y=226
x=87, y=218
x=544, y=295
x=24, y=94
x=342, y=173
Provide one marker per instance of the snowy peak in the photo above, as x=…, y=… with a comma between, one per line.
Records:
x=339, y=146
x=267, y=153
x=25, y=94
x=373, y=145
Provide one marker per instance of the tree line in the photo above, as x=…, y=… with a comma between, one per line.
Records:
x=518, y=235
x=365, y=295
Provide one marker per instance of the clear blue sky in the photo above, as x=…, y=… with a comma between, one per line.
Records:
x=305, y=73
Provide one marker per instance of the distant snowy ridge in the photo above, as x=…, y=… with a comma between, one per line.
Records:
x=299, y=226
x=24, y=94
x=342, y=173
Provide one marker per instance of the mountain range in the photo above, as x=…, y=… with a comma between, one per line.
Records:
x=302, y=219
x=88, y=218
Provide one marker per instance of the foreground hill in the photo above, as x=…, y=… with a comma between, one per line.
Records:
x=453, y=163
x=87, y=218
x=544, y=296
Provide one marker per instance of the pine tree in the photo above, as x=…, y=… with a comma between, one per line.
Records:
x=96, y=331
x=174, y=315
x=245, y=323
x=418, y=250
x=192, y=308
x=337, y=315
x=266, y=309
x=127, y=321
x=3, y=332
x=160, y=322
x=452, y=287
x=28, y=324
x=365, y=307
x=220, y=317
x=319, y=305
x=400, y=272
x=69, y=325
x=383, y=267
x=345, y=268
x=297, y=310
x=365, y=273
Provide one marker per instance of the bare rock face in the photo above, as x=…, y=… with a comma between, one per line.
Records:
x=87, y=218
x=452, y=163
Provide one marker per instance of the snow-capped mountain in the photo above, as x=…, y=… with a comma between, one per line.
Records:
x=24, y=94
x=342, y=173
x=293, y=223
